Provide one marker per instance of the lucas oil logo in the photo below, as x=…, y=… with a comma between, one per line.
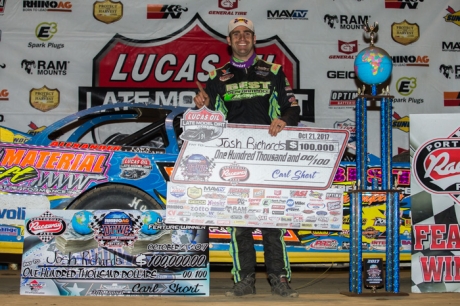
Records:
x=436, y=166
x=154, y=74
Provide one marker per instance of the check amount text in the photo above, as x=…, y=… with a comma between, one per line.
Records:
x=294, y=145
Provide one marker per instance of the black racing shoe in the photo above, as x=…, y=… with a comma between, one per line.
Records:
x=243, y=287
x=280, y=286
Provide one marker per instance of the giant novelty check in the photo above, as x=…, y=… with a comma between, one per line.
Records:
x=112, y=253
x=235, y=172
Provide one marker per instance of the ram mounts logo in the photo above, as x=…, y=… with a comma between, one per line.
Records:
x=346, y=22
x=45, y=67
x=436, y=166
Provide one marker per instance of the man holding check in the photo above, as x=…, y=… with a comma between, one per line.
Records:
x=249, y=90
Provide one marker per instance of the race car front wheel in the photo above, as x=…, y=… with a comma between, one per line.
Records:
x=115, y=197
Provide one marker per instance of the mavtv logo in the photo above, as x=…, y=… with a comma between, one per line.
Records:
x=285, y=14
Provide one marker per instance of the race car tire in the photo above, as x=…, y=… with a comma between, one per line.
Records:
x=116, y=197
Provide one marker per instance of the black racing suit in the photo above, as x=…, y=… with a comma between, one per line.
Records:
x=254, y=95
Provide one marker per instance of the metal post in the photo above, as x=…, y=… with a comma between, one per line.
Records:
x=392, y=196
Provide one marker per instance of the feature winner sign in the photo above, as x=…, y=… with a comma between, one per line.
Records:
x=238, y=175
x=435, y=188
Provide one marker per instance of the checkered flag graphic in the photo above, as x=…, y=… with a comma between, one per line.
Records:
x=431, y=209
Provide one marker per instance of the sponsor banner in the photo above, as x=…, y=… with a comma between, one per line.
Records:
x=218, y=153
x=242, y=206
x=435, y=186
x=12, y=215
x=61, y=56
x=112, y=253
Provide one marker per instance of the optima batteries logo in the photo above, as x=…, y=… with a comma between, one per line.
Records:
x=46, y=6
x=343, y=98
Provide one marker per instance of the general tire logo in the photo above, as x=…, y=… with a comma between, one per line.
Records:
x=436, y=166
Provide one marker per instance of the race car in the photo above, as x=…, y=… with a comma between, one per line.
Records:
x=120, y=156
x=110, y=156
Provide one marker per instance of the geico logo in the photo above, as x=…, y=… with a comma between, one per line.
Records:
x=341, y=74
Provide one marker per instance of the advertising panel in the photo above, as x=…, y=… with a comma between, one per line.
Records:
x=435, y=203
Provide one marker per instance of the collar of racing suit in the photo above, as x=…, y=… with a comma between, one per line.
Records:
x=243, y=64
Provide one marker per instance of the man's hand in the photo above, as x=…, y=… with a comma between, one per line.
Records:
x=276, y=126
x=201, y=99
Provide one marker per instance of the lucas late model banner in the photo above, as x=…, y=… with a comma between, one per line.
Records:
x=112, y=253
x=238, y=175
